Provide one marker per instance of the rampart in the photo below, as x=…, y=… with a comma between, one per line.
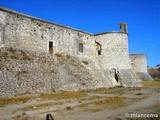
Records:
x=105, y=55
x=139, y=65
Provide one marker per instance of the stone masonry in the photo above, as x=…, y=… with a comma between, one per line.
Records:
x=107, y=52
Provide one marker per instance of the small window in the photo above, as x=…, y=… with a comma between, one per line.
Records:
x=81, y=47
x=99, y=52
x=98, y=48
x=50, y=47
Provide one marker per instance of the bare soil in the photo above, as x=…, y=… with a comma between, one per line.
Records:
x=99, y=104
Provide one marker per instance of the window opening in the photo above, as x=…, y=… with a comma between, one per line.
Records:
x=81, y=47
x=50, y=47
x=99, y=48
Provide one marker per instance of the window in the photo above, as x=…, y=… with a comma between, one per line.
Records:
x=81, y=47
x=98, y=48
x=99, y=52
x=50, y=47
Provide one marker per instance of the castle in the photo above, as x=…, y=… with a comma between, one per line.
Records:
x=108, y=50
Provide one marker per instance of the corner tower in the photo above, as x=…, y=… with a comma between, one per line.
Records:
x=115, y=56
x=114, y=48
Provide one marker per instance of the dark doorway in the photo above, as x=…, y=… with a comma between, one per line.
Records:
x=114, y=74
x=50, y=47
x=116, y=77
x=99, y=52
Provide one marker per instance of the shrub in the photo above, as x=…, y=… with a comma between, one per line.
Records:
x=68, y=56
x=69, y=108
x=139, y=93
x=58, y=55
x=11, y=49
x=85, y=62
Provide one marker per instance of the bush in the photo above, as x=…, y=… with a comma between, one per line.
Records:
x=69, y=108
x=58, y=55
x=139, y=93
x=68, y=56
x=85, y=62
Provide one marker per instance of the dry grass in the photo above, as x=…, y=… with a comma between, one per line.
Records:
x=3, y=54
x=63, y=95
x=107, y=101
x=26, y=118
x=92, y=109
x=83, y=105
x=14, y=100
x=18, y=55
x=151, y=83
x=39, y=106
x=111, y=100
x=118, y=90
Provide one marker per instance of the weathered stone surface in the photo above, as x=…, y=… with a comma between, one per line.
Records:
x=114, y=50
x=129, y=78
x=24, y=72
x=139, y=66
x=144, y=76
x=40, y=56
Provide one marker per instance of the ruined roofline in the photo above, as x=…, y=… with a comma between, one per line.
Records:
x=31, y=17
x=52, y=23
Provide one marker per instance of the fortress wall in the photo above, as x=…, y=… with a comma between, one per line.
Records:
x=138, y=62
x=139, y=66
x=24, y=32
x=114, y=50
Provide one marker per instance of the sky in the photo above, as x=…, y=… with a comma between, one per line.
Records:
x=96, y=16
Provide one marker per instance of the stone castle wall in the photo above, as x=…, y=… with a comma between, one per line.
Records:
x=28, y=33
x=114, y=50
x=138, y=62
x=98, y=52
x=33, y=34
x=139, y=66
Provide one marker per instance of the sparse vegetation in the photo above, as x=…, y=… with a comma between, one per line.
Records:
x=63, y=95
x=155, y=73
x=11, y=50
x=69, y=108
x=3, y=54
x=14, y=100
x=16, y=54
x=58, y=55
x=151, y=83
x=139, y=93
x=85, y=62
x=39, y=106
x=68, y=56
x=117, y=100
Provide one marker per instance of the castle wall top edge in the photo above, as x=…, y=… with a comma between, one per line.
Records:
x=31, y=17
x=141, y=54
x=110, y=33
x=52, y=23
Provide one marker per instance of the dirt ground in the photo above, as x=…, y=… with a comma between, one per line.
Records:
x=101, y=104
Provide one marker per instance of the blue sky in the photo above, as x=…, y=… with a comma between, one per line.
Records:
x=95, y=16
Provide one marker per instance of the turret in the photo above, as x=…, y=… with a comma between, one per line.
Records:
x=123, y=26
